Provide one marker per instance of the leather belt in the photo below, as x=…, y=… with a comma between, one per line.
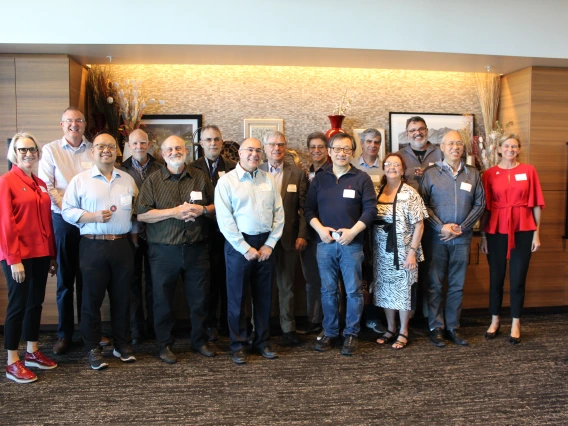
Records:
x=105, y=237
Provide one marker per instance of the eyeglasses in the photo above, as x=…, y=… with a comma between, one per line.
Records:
x=32, y=150
x=71, y=120
x=320, y=147
x=101, y=147
x=209, y=140
x=388, y=164
x=278, y=144
x=338, y=149
x=252, y=150
x=420, y=129
x=451, y=143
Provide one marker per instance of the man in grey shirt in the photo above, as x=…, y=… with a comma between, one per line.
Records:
x=453, y=194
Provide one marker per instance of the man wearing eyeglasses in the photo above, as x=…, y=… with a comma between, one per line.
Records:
x=251, y=217
x=140, y=165
x=340, y=205
x=292, y=185
x=61, y=161
x=175, y=203
x=99, y=203
x=215, y=166
x=420, y=153
x=453, y=194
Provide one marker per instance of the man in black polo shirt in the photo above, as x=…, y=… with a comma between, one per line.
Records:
x=173, y=202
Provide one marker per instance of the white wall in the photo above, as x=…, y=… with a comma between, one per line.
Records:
x=498, y=27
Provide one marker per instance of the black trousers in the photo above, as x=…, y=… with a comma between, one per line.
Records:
x=142, y=290
x=23, y=313
x=67, y=239
x=518, y=269
x=242, y=274
x=191, y=261
x=218, y=284
x=106, y=266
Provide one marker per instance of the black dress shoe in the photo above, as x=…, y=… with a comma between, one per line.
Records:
x=290, y=339
x=239, y=357
x=267, y=352
x=167, y=355
x=437, y=338
x=514, y=340
x=350, y=345
x=490, y=335
x=204, y=350
x=325, y=343
x=312, y=328
x=61, y=346
x=455, y=336
x=212, y=334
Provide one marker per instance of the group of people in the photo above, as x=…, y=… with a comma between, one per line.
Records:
x=229, y=230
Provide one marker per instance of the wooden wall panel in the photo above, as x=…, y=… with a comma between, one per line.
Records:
x=515, y=105
x=7, y=107
x=77, y=84
x=42, y=87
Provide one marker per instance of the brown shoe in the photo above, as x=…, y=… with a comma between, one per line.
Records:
x=105, y=341
x=61, y=346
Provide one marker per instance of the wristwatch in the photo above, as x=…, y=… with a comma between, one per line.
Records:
x=204, y=210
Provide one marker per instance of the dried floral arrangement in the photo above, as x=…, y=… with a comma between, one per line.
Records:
x=344, y=103
x=488, y=148
x=100, y=96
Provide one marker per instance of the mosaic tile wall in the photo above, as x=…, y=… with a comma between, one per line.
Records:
x=302, y=96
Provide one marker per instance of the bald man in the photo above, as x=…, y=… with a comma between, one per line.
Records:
x=251, y=217
x=174, y=203
x=141, y=165
x=453, y=194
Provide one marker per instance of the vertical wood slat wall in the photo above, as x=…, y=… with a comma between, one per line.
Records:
x=536, y=100
x=34, y=91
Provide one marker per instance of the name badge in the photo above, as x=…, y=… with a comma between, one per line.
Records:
x=196, y=196
x=292, y=188
x=43, y=189
x=522, y=176
x=465, y=186
x=348, y=193
x=221, y=173
x=311, y=175
x=430, y=164
x=402, y=197
x=86, y=165
x=126, y=201
x=264, y=187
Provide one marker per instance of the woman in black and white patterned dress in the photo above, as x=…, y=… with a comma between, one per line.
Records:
x=396, y=248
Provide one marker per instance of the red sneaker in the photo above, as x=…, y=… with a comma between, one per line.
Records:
x=39, y=360
x=20, y=374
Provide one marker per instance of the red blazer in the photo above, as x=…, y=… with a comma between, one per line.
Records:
x=26, y=230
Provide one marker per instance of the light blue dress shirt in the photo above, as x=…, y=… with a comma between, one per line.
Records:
x=249, y=204
x=90, y=191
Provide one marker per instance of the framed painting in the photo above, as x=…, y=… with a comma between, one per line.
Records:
x=359, y=150
x=438, y=126
x=159, y=127
x=257, y=127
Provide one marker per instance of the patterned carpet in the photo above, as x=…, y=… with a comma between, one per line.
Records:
x=489, y=383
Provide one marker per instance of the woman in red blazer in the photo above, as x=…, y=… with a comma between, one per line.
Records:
x=27, y=254
x=510, y=227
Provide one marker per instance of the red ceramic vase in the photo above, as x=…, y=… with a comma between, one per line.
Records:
x=336, y=121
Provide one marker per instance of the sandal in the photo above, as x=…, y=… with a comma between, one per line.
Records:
x=384, y=340
x=400, y=343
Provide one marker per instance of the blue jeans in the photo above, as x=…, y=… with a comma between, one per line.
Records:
x=447, y=261
x=333, y=258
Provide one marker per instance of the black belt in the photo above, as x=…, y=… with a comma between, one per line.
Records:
x=105, y=237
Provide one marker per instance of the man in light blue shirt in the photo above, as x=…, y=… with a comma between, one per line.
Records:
x=250, y=216
x=99, y=202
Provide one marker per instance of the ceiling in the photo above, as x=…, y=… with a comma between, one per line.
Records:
x=283, y=56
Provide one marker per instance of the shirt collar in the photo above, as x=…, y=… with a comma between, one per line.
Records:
x=374, y=165
x=166, y=172
x=243, y=174
x=64, y=143
x=96, y=172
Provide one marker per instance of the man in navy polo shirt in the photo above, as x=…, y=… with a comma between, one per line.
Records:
x=341, y=203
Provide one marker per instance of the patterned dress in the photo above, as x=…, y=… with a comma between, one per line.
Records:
x=392, y=287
